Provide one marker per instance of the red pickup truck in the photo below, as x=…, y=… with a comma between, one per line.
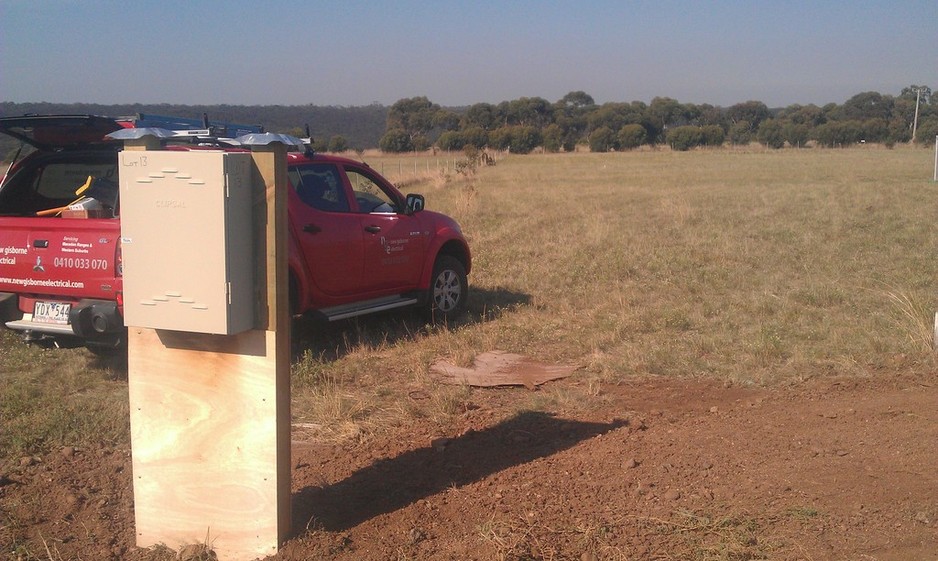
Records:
x=356, y=244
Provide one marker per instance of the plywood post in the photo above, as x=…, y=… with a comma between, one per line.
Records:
x=210, y=414
x=148, y=142
x=270, y=223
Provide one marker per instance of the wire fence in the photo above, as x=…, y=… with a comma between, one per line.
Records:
x=406, y=169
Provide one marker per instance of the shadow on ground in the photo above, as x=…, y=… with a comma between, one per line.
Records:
x=331, y=341
x=391, y=484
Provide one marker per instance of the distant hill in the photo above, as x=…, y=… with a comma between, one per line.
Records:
x=361, y=126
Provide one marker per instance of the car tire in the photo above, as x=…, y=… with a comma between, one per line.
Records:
x=449, y=290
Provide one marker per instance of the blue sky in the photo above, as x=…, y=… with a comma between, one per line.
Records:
x=459, y=53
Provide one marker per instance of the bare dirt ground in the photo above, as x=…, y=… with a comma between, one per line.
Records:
x=662, y=469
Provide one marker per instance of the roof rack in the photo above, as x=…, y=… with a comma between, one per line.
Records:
x=202, y=132
x=193, y=127
x=200, y=137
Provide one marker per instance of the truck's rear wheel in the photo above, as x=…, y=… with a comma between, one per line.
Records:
x=449, y=289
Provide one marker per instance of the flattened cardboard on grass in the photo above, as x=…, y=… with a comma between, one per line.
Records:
x=499, y=368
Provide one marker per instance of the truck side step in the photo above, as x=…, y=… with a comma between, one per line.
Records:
x=367, y=307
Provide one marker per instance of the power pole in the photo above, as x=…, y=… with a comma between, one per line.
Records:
x=918, y=96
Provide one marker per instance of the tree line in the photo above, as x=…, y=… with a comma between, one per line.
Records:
x=331, y=127
x=528, y=123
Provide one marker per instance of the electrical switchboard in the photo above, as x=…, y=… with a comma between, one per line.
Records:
x=186, y=235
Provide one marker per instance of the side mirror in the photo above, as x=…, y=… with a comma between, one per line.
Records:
x=414, y=203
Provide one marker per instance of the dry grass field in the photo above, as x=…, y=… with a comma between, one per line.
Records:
x=747, y=266
x=724, y=274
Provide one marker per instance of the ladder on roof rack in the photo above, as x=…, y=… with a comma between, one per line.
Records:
x=184, y=126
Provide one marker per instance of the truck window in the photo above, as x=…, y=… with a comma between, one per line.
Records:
x=319, y=186
x=50, y=184
x=369, y=194
x=60, y=181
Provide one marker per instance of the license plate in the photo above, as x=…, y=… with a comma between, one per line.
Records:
x=51, y=312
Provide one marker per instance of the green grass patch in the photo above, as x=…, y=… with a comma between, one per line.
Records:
x=58, y=397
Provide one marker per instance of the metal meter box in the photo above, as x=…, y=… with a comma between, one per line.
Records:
x=186, y=234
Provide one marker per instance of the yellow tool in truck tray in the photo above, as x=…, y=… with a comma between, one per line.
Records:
x=93, y=195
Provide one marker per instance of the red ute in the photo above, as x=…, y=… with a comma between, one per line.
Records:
x=356, y=244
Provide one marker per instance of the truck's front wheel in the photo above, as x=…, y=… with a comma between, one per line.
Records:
x=449, y=289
